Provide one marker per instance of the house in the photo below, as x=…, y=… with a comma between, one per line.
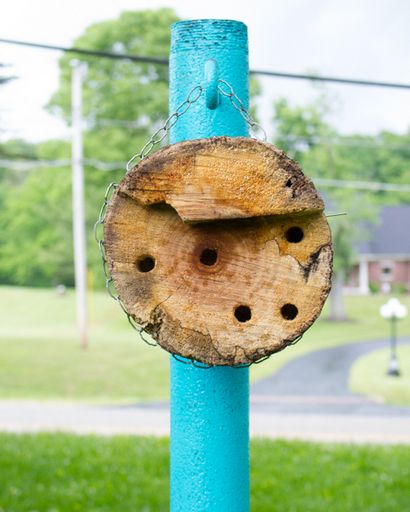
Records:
x=383, y=261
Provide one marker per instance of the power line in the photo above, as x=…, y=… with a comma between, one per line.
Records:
x=362, y=185
x=332, y=79
x=90, y=53
x=164, y=62
x=340, y=140
x=28, y=165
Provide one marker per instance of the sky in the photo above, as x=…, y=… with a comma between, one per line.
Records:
x=365, y=39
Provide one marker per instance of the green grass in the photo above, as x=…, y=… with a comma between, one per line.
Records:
x=368, y=376
x=61, y=472
x=40, y=357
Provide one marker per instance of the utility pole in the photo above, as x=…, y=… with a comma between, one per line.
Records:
x=80, y=261
x=209, y=407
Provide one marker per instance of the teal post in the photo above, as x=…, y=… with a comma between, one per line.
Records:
x=209, y=407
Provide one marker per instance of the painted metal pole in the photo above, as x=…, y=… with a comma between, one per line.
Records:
x=209, y=407
x=80, y=263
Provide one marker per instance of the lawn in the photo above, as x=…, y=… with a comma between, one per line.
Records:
x=368, y=376
x=40, y=357
x=61, y=472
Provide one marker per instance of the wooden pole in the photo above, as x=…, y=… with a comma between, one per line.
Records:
x=80, y=262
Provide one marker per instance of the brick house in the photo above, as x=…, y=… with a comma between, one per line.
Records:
x=384, y=259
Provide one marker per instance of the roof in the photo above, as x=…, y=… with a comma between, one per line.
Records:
x=390, y=235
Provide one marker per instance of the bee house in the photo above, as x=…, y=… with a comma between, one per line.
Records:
x=219, y=248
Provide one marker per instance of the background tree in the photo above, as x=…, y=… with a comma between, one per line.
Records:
x=123, y=103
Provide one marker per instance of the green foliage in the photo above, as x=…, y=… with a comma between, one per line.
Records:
x=35, y=236
x=399, y=289
x=374, y=287
x=17, y=148
x=35, y=223
x=120, y=89
x=62, y=472
x=299, y=127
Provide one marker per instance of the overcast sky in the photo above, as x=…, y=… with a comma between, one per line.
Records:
x=366, y=39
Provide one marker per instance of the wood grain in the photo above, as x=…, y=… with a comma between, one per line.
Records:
x=225, y=291
x=223, y=178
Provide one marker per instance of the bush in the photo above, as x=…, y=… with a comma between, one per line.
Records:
x=399, y=288
x=374, y=287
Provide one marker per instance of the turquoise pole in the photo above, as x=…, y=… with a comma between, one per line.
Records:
x=209, y=407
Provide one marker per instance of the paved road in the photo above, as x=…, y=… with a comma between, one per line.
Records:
x=320, y=407
x=154, y=420
x=318, y=382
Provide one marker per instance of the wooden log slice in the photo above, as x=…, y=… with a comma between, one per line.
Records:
x=223, y=178
x=226, y=291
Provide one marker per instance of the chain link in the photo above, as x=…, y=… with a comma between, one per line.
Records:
x=254, y=127
x=155, y=139
x=204, y=366
x=162, y=132
x=226, y=90
x=109, y=282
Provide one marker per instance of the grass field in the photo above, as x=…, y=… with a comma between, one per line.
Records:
x=40, y=357
x=368, y=376
x=65, y=473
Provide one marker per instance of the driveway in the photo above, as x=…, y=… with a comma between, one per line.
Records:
x=318, y=382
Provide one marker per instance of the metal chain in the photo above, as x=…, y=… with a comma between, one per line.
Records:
x=162, y=132
x=99, y=237
x=204, y=366
x=226, y=90
x=155, y=139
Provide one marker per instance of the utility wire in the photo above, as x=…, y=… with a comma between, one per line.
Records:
x=344, y=141
x=28, y=165
x=362, y=185
x=90, y=53
x=164, y=62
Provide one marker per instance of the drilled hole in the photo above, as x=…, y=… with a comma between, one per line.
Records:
x=146, y=264
x=294, y=235
x=208, y=257
x=289, y=311
x=243, y=313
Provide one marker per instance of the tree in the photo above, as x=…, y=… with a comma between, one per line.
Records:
x=35, y=244
x=123, y=104
x=124, y=101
